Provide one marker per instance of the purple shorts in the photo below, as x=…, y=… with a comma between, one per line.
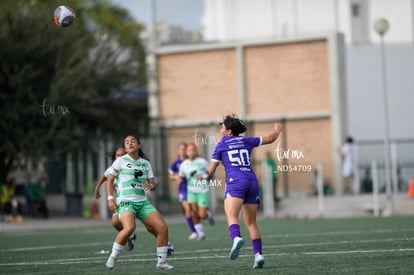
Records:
x=247, y=189
x=182, y=192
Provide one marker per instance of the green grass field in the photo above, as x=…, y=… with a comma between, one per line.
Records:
x=330, y=246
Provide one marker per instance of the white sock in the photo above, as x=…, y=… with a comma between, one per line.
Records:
x=116, y=250
x=162, y=254
x=200, y=229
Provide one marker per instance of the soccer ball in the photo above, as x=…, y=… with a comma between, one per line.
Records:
x=64, y=16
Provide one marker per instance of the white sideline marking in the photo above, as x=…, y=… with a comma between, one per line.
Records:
x=358, y=251
x=32, y=248
x=54, y=247
x=101, y=260
x=334, y=233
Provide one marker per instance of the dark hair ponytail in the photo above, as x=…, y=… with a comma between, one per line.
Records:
x=236, y=125
x=141, y=153
x=112, y=155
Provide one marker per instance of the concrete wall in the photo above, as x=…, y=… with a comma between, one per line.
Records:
x=241, y=19
x=262, y=81
x=365, y=91
x=366, y=105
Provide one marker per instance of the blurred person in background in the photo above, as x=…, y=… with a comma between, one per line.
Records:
x=198, y=193
x=347, y=154
x=326, y=187
x=366, y=182
x=402, y=181
x=271, y=162
x=37, y=200
x=182, y=188
x=10, y=207
x=21, y=180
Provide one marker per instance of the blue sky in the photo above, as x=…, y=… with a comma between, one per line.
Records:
x=186, y=13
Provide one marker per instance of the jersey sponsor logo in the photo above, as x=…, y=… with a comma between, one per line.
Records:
x=140, y=166
x=234, y=139
x=235, y=146
x=138, y=173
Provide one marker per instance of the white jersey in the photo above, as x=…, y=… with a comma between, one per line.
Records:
x=107, y=171
x=132, y=174
x=191, y=170
x=106, y=175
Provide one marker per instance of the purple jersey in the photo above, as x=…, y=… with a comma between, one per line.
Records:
x=175, y=166
x=175, y=169
x=234, y=152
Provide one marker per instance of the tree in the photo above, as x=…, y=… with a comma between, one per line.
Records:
x=59, y=85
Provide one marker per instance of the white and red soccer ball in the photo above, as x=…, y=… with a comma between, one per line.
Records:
x=64, y=16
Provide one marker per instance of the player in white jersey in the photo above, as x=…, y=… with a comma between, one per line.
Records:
x=198, y=194
x=115, y=219
x=135, y=177
x=182, y=187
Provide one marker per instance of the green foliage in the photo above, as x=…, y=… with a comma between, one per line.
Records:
x=56, y=83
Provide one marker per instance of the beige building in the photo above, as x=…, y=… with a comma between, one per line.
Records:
x=298, y=81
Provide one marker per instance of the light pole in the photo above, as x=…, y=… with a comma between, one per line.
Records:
x=381, y=27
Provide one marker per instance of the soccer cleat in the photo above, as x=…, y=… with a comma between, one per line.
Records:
x=258, y=261
x=238, y=243
x=193, y=236
x=131, y=242
x=164, y=266
x=210, y=218
x=170, y=250
x=110, y=263
x=201, y=237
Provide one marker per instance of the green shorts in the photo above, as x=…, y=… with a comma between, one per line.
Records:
x=201, y=199
x=140, y=209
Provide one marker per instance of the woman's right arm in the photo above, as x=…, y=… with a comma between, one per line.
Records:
x=273, y=135
x=101, y=181
x=109, y=192
x=174, y=177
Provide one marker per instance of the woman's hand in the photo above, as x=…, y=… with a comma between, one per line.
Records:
x=148, y=186
x=97, y=194
x=112, y=205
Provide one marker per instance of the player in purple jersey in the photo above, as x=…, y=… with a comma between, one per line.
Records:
x=242, y=188
x=182, y=187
